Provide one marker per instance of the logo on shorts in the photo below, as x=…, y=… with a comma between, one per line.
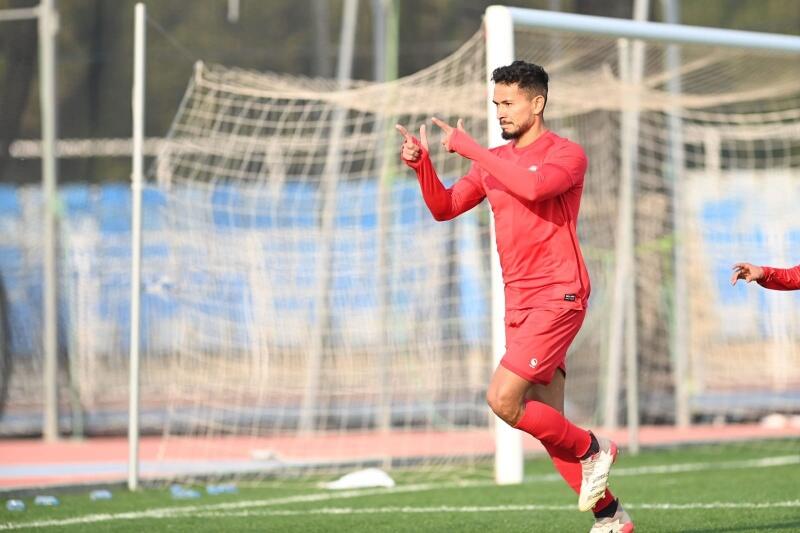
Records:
x=534, y=362
x=533, y=168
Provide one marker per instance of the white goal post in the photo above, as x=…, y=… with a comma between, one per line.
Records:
x=46, y=17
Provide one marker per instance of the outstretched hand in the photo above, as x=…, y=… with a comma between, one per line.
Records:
x=410, y=150
x=448, y=130
x=747, y=272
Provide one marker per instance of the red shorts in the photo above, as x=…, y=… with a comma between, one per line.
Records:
x=537, y=341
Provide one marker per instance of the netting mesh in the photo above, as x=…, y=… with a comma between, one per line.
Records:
x=709, y=152
x=302, y=309
x=328, y=302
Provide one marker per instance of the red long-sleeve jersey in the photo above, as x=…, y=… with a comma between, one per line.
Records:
x=781, y=279
x=535, y=195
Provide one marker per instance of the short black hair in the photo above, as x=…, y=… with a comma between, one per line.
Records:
x=529, y=77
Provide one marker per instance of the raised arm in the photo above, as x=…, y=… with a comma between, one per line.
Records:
x=780, y=279
x=443, y=203
x=558, y=174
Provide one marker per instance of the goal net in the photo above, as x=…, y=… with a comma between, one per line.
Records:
x=321, y=314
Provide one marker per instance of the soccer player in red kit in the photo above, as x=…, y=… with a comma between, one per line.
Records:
x=781, y=279
x=534, y=185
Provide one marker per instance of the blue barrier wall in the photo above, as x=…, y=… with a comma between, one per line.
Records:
x=96, y=240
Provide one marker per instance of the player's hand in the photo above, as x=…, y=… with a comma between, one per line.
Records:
x=448, y=130
x=411, y=150
x=747, y=272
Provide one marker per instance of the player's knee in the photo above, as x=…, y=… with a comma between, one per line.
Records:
x=505, y=405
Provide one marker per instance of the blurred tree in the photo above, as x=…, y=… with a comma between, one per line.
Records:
x=774, y=16
x=18, y=47
x=604, y=8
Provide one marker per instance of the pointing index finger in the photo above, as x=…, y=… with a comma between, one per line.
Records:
x=444, y=125
x=403, y=131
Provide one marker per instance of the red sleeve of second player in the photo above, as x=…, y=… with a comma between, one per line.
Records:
x=781, y=279
x=442, y=202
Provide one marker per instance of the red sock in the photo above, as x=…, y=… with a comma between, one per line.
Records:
x=550, y=427
x=569, y=467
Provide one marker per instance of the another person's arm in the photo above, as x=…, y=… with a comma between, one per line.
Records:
x=781, y=279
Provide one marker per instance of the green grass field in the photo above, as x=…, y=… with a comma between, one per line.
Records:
x=734, y=488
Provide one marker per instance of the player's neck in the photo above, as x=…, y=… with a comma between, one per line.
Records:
x=529, y=137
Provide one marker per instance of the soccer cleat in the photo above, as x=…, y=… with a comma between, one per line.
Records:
x=594, y=473
x=619, y=523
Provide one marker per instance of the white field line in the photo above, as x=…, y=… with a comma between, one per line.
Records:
x=697, y=467
x=232, y=507
x=495, y=509
x=784, y=460
x=176, y=511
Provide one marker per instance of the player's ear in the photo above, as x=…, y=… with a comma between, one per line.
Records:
x=538, y=104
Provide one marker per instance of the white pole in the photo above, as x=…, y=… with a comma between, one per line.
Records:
x=508, y=454
x=622, y=336
x=233, y=11
x=137, y=178
x=622, y=266
x=680, y=312
x=641, y=9
x=379, y=11
x=344, y=68
x=320, y=12
x=48, y=27
x=20, y=13
x=385, y=34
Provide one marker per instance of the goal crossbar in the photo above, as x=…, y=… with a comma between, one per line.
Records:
x=652, y=31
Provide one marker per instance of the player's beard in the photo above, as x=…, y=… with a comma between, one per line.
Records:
x=519, y=132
